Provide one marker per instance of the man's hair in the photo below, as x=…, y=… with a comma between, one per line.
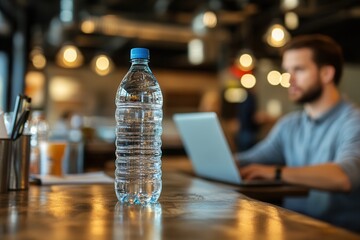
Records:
x=325, y=51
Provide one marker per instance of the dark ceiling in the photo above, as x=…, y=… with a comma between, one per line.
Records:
x=164, y=26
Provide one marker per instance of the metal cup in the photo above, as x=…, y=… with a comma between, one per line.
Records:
x=20, y=163
x=5, y=158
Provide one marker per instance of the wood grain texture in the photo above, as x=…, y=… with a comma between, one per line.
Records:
x=189, y=208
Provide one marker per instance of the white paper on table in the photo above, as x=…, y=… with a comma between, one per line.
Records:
x=81, y=178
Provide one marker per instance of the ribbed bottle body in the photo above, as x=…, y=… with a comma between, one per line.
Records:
x=138, y=137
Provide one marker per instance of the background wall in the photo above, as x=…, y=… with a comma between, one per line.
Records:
x=84, y=92
x=91, y=95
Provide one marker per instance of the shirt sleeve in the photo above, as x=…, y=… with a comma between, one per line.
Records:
x=267, y=151
x=348, y=156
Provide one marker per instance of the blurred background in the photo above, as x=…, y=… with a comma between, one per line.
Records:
x=69, y=56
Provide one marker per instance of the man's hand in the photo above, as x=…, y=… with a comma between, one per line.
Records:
x=326, y=176
x=257, y=171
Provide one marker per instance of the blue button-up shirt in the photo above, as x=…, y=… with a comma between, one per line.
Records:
x=298, y=140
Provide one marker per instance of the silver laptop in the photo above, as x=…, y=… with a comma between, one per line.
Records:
x=208, y=150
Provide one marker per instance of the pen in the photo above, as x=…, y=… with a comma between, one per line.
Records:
x=21, y=114
x=15, y=115
x=21, y=124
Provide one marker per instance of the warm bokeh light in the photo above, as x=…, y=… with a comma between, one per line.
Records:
x=291, y=20
x=37, y=58
x=69, y=56
x=277, y=36
x=248, y=81
x=102, y=62
x=289, y=4
x=102, y=65
x=246, y=62
x=274, y=77
x=285, y=80
x=235, y=95
x=209, y=19
x=39, y=61
x=87, y=26
x=203, y=21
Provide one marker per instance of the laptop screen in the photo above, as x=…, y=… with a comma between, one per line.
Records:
x=206, y=146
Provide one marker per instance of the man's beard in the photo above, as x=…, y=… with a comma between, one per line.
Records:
x=311, y=95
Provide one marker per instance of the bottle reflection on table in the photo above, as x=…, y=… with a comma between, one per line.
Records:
x=135, y=221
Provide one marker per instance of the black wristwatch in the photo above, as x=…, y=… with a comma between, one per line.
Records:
x=278, y=171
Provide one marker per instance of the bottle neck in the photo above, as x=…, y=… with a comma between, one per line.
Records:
x=140, y=61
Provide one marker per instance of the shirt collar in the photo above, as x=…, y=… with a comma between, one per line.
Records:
x=327, y=115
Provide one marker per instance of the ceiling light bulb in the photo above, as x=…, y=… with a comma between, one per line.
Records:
x=70, y=54
x=277, y=34
x=102, y=62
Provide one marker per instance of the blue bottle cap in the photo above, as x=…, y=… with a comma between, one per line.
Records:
x=142, y=53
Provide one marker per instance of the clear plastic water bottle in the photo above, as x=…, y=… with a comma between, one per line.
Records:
x=138, y=133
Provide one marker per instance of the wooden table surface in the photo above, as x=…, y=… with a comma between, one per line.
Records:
x=189, y=208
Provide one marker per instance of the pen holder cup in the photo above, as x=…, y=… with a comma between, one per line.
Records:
x=5, y=160
x=20, y=163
